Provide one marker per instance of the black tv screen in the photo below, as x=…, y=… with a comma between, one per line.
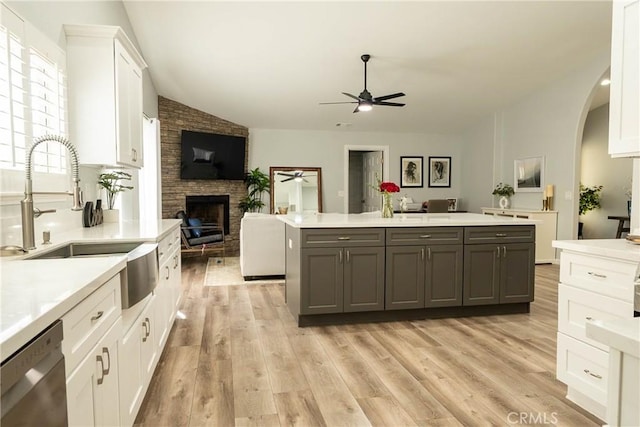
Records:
x=212, y=156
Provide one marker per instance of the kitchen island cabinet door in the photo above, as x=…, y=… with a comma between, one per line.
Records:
x=517, y=273
x=405, y=270
x=363, y=279
x=322, y=281
x=443, y=278
x=481, y=275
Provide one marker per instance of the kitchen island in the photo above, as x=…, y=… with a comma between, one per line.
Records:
x=361, y=267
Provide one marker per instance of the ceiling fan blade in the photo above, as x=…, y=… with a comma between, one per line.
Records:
x=351, y=96
x=287, y=179
x=385, y=97
x=346, y=102
x=389, y=104
x=285, y=174
x=357, y=108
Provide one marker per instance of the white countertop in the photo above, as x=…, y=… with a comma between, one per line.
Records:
x=35, y=293
x=613, y=248
x=337, y=220
x=621, y=334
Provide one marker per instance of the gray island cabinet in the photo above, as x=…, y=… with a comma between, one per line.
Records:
x=358, y=268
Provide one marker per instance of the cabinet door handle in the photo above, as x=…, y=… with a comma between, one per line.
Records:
x=97, y=316
x=422, y=254
x=425, y=236
x=348, y=256
x=586, y=371
x=175, y=262
x=167, y=267
x=134, y=154
x=340, y=256
x=602, y=276
x=344, y=238
x=146, y=334
x=501, y=234
x=429, y=253
x=105, y=350
x=498, y=251
x=504, y=252
x=101, y=379
x=589, y=318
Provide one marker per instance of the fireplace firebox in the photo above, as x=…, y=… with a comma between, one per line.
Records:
x=209, y=209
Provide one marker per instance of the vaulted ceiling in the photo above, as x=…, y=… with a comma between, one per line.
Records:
x=269, y=64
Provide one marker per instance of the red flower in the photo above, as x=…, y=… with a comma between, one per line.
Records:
x=389, y=187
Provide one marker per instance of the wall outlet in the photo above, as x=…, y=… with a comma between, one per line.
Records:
x=568, y=195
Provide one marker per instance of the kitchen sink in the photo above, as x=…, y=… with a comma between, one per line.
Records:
x=142, y=264
x=88, y=249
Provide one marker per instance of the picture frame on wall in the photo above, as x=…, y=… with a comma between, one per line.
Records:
x=528, y=175
x=439, y=172
x=412, y=171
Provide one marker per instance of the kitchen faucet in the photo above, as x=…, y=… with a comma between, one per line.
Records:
x=28, y=213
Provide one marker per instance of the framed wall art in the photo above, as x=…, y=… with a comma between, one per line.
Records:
x=440, y=172
x=453, y=204
x=528, y=174
x=412, y=171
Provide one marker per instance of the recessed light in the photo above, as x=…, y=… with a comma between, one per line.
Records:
x=605, y=82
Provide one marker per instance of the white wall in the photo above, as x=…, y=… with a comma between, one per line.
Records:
x=598, y=168
x=547, y=123
x=326, y=150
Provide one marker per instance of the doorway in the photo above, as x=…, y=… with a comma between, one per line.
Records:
x=363, y=164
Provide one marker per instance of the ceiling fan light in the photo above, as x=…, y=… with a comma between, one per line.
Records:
x=364, y=106
x=298, y=179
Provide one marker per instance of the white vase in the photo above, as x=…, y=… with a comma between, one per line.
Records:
x=111, y=215
x=504, y=202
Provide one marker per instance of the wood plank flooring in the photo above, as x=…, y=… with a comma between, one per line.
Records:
x=236, y=357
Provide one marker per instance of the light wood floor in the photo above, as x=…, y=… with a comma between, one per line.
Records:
x=236, y=357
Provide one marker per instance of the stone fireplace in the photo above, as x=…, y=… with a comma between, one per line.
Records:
x=174, y=118
x=213, y=209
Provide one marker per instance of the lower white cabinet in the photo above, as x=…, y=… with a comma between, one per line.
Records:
x=140, y=346
x=93, y=387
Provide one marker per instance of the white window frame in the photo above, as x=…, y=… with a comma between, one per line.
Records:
x=12, y=180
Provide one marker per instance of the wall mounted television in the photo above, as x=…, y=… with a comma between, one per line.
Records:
x=212, y=156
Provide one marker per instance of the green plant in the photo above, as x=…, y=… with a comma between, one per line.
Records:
x=110, y=181
x=257, y=183
x=589, y=198
x=503, y=190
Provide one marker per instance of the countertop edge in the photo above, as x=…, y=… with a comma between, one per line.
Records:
x=622, y=334
x=612, y=248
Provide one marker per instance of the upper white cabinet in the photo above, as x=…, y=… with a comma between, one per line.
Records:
x=624, y=111
x=105, y=95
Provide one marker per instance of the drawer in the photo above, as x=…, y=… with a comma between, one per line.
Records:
x=583, y=367
x=168, y=244
x=502, y=234
x=424, y=235
x=85, y=324
x=576, y=307
x=342, y=237
x=605, y=276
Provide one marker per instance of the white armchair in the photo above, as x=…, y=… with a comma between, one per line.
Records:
x=262, y=246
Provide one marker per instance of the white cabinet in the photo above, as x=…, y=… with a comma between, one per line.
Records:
x=105, y=95
x=140, y=346
x=169, y=286
x=624, y=111
x=92, y=330
x=545, y=229
x=592, y=288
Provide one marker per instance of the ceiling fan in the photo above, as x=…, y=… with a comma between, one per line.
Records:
x=365, y=100
x=298, y=176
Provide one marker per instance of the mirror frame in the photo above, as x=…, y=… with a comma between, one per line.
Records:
x=274, y=169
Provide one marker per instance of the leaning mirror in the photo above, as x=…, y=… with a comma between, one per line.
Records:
x=295, y=189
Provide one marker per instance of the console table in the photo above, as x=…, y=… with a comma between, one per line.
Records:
x=621, y=227
x=545, y=229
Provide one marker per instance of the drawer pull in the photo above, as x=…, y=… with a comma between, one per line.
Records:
x=146, y=334
x=175, y=262
x=425, y=236
x=589, y=318
x=167, y=278
x=586, y=371
x=501, y=234
x=97, y=316
x=101, y=379
x=344, y=238
x=602, y=276
x=105, y=350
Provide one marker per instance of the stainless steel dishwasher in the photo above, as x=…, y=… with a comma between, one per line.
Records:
x=33, y=382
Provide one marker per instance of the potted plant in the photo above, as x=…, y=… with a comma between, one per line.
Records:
x=111, y=182
x=589, y=200
x=257, y=183
x=504, y=191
